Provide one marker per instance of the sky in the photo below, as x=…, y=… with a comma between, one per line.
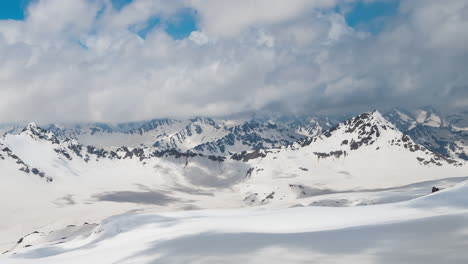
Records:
x=127, y=60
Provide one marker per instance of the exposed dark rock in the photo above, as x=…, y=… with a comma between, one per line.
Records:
x=249, y=172
x=216, y=158
x=174, y=153
x=63, y=152
x=269, y=196
x=246, y=156
x=24, y=167
x=76, y=148
x=40, y=133
x=135, y=152
x=336, y=154
x=100, y=153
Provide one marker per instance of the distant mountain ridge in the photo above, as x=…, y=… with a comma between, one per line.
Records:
x=207, y=139
x=447, y=135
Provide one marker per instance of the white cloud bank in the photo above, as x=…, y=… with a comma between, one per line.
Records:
x=81, y=60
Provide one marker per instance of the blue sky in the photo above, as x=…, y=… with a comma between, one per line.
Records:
x=362, y=15
x=180, y=26
x=13, y=9
x=370, y=16
x=119, y=4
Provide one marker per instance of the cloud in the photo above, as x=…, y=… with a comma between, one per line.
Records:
x=230, y=18
x=83, y=61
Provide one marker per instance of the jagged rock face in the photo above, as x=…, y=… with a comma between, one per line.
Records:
x=362, y=130
x=365, y=128
x=36, y=132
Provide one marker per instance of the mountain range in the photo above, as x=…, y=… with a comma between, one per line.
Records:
x=444, y=134
x=90, y=172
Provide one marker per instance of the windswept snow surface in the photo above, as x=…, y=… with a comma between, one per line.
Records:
x=431, y=229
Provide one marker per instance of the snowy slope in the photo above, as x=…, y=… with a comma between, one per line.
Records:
x=72, y=183
x=425, y=230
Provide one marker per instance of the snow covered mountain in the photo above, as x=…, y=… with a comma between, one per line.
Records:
x=311, y=125
x=365, y=152
x=368, y=134
x=116, y=135
x=198, y=131
x=199, y=135
x=447, y=135
x=251, y=135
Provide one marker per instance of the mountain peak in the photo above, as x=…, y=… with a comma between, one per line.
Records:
x=364, y=129
x=32, y=129
x=379, y=118
x=204, y=120
x=31, y=126
x=36, y=132
x=376, y=113
x=367, y=119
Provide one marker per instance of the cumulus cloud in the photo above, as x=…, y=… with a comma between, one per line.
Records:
x=83, y=60
x=230, y=18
